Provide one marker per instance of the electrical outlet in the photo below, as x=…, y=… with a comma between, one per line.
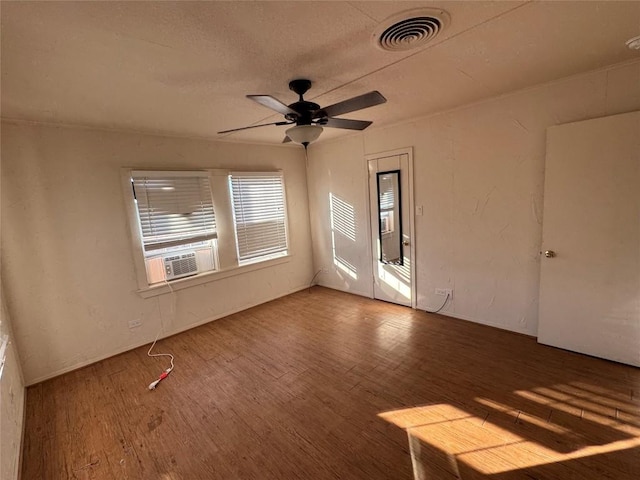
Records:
x=444, y=291
x=135, y=323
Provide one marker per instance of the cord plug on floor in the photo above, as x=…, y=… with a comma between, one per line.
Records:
x=163, y=375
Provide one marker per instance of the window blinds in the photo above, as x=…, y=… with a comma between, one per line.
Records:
x=174, y=210
x=259, y=214
x=387, y=191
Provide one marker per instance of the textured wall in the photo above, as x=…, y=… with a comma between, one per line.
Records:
x=337, y=178
x=68, y=271
x=479, y=174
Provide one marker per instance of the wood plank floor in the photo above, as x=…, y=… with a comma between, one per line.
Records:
x=326, y=385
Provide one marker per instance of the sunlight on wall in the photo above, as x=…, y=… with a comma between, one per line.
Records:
x=404, y=271
x=562, y=423
x=346, y=267
x=343, y=227
x=391, y=276
x=342, y=217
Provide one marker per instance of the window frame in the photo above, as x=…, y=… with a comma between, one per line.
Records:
x=227, y=264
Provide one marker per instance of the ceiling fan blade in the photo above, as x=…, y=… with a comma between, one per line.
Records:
x=351, y=105
x=346, y=123
x=286, y=139
x=255, y=126
x=273, y=103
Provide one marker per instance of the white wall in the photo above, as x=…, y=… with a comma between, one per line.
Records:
x=479, y=174
x=338, y=169
x=12, y=399
x=68, y=267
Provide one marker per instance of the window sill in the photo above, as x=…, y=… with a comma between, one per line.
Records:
x=207, y=277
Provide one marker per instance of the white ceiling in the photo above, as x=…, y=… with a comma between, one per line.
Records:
x=184, y=68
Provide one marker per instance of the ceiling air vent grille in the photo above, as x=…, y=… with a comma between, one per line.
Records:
x=409, y=30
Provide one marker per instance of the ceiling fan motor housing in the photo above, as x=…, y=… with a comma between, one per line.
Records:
x=305, y=110
x=300, y=86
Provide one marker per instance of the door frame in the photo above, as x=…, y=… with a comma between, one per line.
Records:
x=411, y=208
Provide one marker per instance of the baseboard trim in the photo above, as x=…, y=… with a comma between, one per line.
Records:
x=354, y=292
x=171, y=333
x=466, y=318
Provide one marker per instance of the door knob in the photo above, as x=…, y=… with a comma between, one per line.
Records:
x=405, y=243
x=549, y=253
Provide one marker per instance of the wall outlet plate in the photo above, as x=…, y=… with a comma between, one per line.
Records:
x=135, y=323
x=444, y=291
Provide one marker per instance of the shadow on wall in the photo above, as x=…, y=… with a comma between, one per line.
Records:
x=343, y=236
x=346, y=252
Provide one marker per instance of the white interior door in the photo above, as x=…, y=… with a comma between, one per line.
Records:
x=590, y=289
x=391, y=200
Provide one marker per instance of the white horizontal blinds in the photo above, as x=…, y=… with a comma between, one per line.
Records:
x=174, y=209
x=259, y=214
x=387, y=191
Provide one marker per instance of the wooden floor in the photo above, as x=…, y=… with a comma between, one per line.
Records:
x=326, y=385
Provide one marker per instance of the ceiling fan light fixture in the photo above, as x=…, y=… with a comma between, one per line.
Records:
x=304, y=134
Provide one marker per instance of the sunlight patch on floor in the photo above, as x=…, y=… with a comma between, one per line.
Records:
x=489, y=437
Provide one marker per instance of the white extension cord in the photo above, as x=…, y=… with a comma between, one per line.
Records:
x=165, y=374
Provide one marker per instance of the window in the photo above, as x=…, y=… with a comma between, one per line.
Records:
x=188, y=223
x=4, y=343
x=177, y=223
x=259, y=215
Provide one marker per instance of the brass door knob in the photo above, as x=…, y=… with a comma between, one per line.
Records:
x=549, y=253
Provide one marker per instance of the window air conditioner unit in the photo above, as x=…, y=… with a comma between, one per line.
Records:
x=180, y=265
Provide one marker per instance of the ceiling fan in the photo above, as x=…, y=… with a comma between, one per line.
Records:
x=309, y=118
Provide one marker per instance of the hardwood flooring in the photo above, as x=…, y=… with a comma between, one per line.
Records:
x=325, y=385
